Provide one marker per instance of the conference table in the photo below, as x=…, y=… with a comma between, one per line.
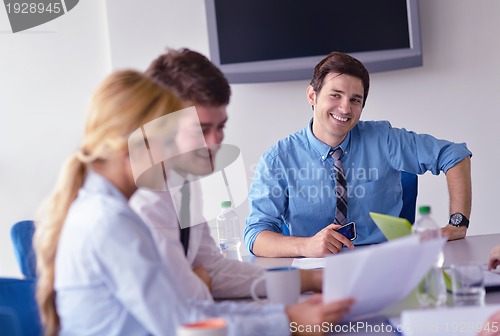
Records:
x=469, y=249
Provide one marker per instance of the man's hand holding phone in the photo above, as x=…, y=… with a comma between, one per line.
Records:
x=327, y=241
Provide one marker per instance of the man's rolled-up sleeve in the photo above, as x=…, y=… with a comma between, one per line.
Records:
x=267, y=199
x=433, y=154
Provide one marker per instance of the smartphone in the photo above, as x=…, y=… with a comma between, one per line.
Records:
x=348, y=230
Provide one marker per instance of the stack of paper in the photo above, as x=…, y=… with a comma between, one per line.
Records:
x=491, y=279
x=464, y=321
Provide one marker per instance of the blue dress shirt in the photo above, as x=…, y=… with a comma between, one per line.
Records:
x=294, y=183
x=110, y=280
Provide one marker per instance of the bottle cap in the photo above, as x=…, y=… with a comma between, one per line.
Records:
x=424, y=210
x=225, y=204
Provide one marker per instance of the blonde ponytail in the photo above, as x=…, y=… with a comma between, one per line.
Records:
x=48, y=230
x=125, y=101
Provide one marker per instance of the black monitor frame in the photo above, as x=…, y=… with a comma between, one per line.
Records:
x=299, y=68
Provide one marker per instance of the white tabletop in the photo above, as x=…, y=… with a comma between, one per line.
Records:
x=473, y=248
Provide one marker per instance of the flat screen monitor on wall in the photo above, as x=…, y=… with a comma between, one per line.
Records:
x=278, y=40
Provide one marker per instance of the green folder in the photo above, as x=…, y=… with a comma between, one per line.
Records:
x=392, y=227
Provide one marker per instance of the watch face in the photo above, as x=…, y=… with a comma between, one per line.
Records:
x=456, y=219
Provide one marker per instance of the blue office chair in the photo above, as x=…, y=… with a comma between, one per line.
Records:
x=409, y=182
x=18, y=304
x=22, y=239
x=9, y=323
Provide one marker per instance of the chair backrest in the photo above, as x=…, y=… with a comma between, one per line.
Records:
x=9, y=323
x=409, y=183
x=22, y=239
x=17, y=298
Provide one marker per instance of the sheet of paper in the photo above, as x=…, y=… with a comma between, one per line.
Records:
x=314, y=263
x=463, y=321
x=308, y=263
x=427, y=256
x=491, y=278
x=379, y=275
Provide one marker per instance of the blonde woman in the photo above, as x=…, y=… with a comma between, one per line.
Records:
x=99, y=270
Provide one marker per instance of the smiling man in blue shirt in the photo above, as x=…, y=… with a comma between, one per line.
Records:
x=294, y=184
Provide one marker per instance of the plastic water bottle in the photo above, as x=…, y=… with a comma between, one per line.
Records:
x=228, y=231
x=431, y=292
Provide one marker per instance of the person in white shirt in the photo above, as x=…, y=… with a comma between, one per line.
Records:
x=99, y=271
x=207, y=274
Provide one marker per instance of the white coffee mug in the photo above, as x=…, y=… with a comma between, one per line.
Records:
x=209, y=327
x=282, y=285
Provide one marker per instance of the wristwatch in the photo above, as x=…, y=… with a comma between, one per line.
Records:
x=457, y=219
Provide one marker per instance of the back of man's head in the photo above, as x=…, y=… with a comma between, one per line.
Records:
x=191, y=76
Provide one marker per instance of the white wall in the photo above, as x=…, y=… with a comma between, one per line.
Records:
x=46, y=79
x=452, y=96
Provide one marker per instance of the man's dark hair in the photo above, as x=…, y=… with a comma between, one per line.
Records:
x=191, y=76
x=341, y=63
